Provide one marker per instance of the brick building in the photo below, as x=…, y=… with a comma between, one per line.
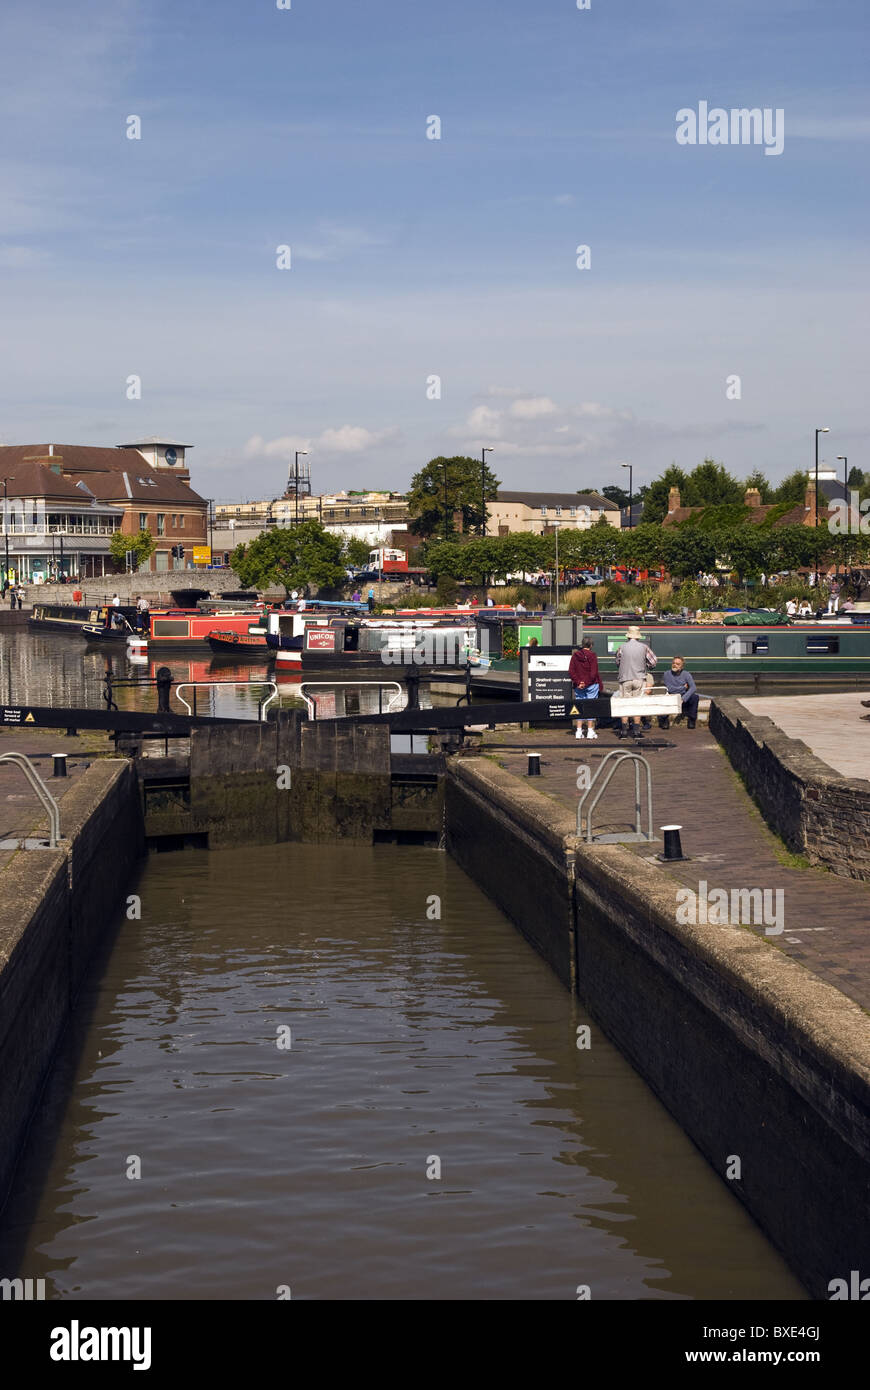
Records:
x=139, y=486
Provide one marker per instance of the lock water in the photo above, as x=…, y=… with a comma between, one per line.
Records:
x=339, y=1072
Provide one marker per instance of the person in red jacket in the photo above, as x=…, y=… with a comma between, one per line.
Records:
x=585, y=683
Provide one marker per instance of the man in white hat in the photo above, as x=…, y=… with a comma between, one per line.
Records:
x=634, y=660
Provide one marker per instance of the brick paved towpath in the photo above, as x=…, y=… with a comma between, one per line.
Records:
x=826, y=918
x=21, y=813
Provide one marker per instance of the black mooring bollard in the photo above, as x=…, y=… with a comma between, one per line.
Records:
x=673, y=848
x=59, y=764
x=412, y=682
x=164, y=684
x=534, y=764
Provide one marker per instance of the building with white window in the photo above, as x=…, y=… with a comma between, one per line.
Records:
x=155, y=497
x=52, y=527
x=368, y=516
x=536, y=511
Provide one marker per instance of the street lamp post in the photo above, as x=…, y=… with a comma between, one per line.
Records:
x=630, y=490
x=6, y=481
x=823, y=430
x=300, y=453
x=556, y=525
x=483, y=454
x=841, y=458
x=446, y=503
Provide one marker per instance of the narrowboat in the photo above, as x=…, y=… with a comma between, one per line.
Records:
x=180, y=627
x=113, y=625
x=73, y=618
x=796, y=651
x=432, y=639
x=252, y=645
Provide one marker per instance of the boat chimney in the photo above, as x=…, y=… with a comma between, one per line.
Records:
x=51, y=451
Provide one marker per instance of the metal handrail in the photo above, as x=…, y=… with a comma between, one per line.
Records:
x=42, y=792
x=311, y=703
x=210, y=685
x=620, y=757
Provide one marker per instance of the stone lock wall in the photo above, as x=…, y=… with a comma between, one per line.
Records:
x=752, y=1054
x=57, y=907
x=818, y=812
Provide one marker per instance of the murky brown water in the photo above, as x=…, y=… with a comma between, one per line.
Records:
x=411, y=1039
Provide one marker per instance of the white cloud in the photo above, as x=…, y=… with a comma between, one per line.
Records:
x=829, y=127
x=352, y=439
x=483, y=420
x=347, y=439
x=334, y=241
x=281, y=448
x=533, y=407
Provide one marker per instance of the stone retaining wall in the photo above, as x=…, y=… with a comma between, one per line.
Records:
x=156, y=587
x=55, y=907
x=756, y=1058
x=818, y=812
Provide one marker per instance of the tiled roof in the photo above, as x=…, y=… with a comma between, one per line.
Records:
x=558, y=499
x=32, y=479
x=113, y=475
x=796, y=516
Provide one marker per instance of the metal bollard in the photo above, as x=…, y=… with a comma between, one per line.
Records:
x=164, y=684
x=534, y=765
x=673, y=848
x=59, y=764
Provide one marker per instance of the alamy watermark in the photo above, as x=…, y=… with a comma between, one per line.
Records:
x=438, y=647
x=717, y=907
x=850, y=518
x=20, y=514
x=24, y=1290
x=740, y=126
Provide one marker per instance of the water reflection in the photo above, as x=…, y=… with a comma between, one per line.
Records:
x=62, y=670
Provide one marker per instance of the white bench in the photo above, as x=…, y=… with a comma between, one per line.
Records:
x=658, y=702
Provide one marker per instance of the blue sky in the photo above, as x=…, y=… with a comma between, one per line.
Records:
x=412, y=257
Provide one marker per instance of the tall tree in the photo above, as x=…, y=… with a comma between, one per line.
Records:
x=688, y=550
x=794, y=547
x=434, y=498
x=641, y=547
x=356, y=552
x=745, y=548
x=293, y=556
x=655, y=503
x=793, y=488
x=715, y=485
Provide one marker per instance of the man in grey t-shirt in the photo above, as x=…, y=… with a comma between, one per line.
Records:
x=633, y=661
